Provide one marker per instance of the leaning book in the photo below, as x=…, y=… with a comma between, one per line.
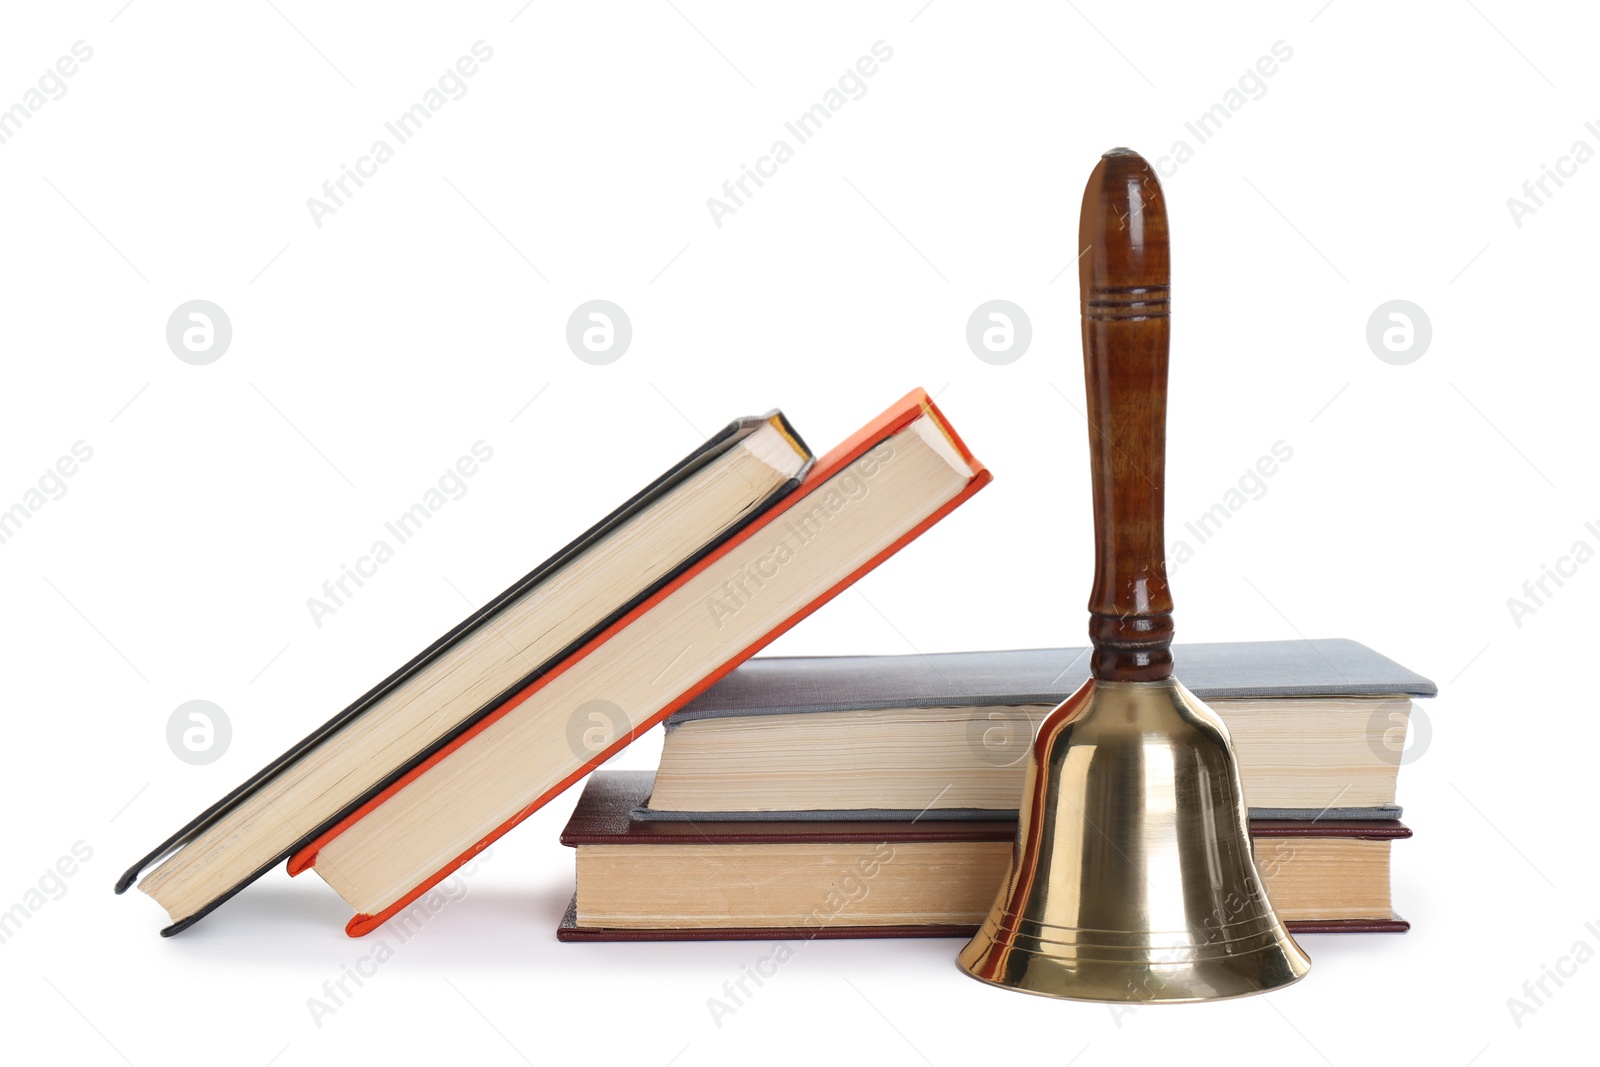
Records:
x=885, y=485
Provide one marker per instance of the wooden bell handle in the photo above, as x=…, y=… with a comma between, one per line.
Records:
x=1124, y=279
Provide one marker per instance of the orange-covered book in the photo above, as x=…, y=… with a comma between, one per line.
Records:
x=862, y=502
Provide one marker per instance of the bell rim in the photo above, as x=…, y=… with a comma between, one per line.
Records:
x=1254, y=989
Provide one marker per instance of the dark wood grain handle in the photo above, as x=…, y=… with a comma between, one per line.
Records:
x=1124, y=278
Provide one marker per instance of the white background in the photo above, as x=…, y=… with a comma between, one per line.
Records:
x=426, y=314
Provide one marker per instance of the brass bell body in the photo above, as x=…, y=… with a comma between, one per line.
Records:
x=1132, y=878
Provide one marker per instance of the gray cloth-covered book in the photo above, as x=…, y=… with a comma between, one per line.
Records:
x=1319, y=728
x=788, y=685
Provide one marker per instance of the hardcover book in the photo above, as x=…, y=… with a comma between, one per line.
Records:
x=892, y=480
x=650, y=880
x=496, y=652
x=1318, y=728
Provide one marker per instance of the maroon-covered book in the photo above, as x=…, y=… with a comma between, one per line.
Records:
x=741, y=869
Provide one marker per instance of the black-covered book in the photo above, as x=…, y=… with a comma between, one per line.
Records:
x=701, y=501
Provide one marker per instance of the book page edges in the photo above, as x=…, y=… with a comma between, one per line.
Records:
x=895, y=419
x=365, y=923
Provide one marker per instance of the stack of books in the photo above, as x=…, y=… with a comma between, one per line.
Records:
x=732, y=546
x=876, y=796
